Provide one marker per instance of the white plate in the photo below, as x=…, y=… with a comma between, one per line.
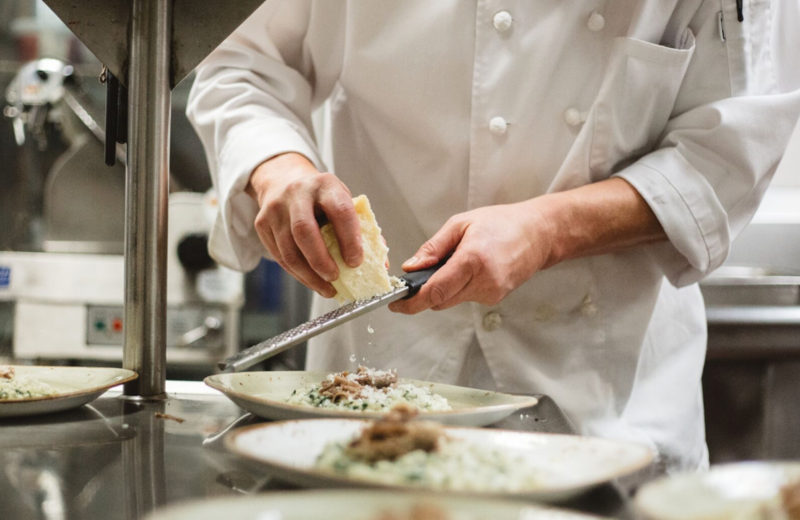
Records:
x=725, y=492
x=76, y=386
x=265, y=394
x=569, y=464
x=355, y=505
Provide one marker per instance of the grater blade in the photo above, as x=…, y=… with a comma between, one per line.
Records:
x=286, y=340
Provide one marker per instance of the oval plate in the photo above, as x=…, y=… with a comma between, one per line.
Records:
x=356, y=505
x=76, y=386
x=264, y=394
x=727, y=491
x=569, y=464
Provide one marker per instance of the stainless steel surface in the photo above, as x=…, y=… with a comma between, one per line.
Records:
x=102, y=25
x=116, y=460
x=145, y=489
x=290, y=338
x=199, y=27
x=735, y=285
x=754, y=412
x=751, y=372
x=753, y=315
x=146, y=196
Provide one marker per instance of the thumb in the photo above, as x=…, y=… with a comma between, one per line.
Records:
x=439, y=246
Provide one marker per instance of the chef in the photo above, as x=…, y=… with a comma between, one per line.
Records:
x=588, y=162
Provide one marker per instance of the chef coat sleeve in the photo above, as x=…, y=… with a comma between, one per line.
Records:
x=252, y=100
x=714, y=160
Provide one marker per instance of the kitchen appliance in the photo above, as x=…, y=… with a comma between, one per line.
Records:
x=68, y=301
x=70, y=305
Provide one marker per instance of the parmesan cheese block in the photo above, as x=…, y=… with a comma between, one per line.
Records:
x=371, y=277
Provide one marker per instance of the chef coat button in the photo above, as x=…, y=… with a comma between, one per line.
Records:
x=492, y=321
x=502, y=21
x=498, y=126
x=574, y=117
x=596, y=22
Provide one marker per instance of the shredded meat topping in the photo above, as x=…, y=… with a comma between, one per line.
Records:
x=382, y=379
x=340, y=388
x=394, y=436
x=344, y=387
x=790, y=494
x=6, y=372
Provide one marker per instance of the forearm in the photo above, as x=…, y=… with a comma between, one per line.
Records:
x=598, y=218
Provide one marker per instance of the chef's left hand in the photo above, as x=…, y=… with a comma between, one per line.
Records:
x=497, y=249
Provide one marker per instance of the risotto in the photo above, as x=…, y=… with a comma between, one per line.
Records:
x=399, y=452
x=13, y=386
x=367, y=390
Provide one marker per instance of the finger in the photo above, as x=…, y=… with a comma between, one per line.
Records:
x=467, y=294
x=293, y=258
x=308, y=238
x=268, y=239
x=439, y=245
x=338, y=206
x=444, y=285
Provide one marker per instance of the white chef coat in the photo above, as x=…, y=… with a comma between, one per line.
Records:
x=442, y=107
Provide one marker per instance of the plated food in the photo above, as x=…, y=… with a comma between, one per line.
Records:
x=743, y=491
x=34, y=390
x=360, y=505
x=297, y=395
x=367, y=389
x=19, y=386
x=402, y=452
x=465, y=461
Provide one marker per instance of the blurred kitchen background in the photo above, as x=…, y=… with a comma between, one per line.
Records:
x=61, y=221
x=61, y=215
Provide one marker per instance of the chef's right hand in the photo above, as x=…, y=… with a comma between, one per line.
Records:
x=290, y=193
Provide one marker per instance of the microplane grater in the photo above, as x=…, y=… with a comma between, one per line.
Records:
x=412, y=283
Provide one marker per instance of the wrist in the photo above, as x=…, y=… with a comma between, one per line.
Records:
x=544, y=211
x=280, y=168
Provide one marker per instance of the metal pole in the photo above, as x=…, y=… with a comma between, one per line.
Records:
x=146, y=191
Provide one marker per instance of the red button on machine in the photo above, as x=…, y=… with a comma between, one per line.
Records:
x=116, y=325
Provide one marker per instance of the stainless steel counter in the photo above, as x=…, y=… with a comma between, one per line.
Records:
x=115, y=459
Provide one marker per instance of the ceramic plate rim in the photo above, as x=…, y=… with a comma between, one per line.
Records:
x=525, y=401
x=132, y=376
x=354, y=493
x=647, y=459
x=643, y=493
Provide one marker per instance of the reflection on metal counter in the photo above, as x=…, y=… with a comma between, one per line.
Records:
x=118, y=460
x=69, y=306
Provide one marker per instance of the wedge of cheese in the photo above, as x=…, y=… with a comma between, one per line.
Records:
x=371, y=277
